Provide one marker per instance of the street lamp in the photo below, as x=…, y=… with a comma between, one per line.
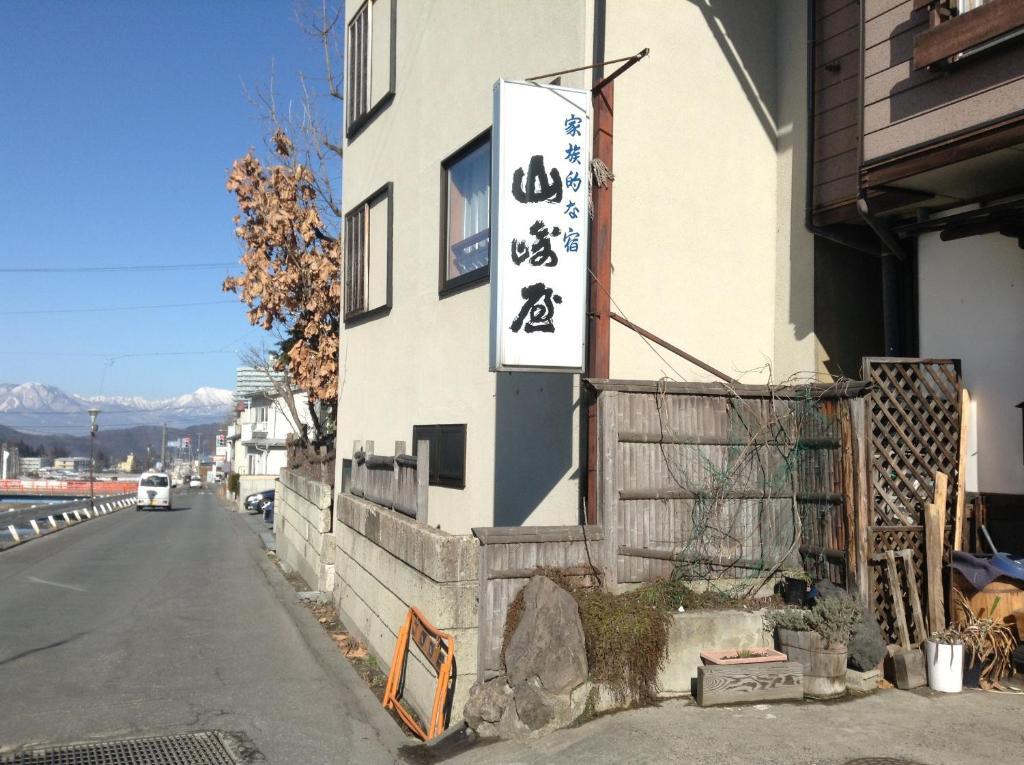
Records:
x=92, y=460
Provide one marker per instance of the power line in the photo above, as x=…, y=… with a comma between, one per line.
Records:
x=119, y=308
x=108, y=269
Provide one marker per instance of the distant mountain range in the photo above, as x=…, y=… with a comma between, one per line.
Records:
x=37, y=408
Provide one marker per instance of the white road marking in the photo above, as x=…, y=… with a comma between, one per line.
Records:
x=53, y=523
x=56, y=584
x=35, y=526
x=14, y=533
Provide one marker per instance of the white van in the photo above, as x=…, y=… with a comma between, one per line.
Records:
x=154, y=491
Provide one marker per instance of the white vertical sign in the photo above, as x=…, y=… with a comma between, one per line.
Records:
x=540, y=191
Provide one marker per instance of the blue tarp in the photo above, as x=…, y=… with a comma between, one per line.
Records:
x=979, y=570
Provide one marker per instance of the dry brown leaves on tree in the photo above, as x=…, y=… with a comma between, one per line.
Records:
x=292, y=266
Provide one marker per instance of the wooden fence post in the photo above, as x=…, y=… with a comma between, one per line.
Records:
x=422, y=479
x=859, y=430
x=399, y=449
x=607, y=508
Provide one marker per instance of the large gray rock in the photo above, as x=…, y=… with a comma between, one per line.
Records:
x=547, y=647
x=866, y=647
x=487, y=703
x=532, y=707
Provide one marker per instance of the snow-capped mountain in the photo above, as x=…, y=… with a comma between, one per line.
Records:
x=32, y=406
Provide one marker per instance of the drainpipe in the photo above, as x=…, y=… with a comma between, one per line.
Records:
x=600, y=261
x=893, y=255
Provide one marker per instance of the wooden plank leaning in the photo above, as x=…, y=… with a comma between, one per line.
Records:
x=934, y=533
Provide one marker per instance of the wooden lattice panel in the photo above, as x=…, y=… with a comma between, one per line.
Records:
x=913, y=431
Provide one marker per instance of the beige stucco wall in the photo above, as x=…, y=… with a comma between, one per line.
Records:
x=709, y=249
x=981, y=322
x=708, y=245
x=426, y=362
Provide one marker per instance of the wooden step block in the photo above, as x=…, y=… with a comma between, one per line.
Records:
x=749, y=683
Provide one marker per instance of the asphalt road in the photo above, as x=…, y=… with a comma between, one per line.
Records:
x=164, y=622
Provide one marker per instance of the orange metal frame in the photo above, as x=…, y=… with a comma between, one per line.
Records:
x=439, y=649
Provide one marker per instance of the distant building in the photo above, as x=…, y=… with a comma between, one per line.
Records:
x=30, y=465
x=258, y=435
x=74, y=464
x=128, y=465
x=250, y=380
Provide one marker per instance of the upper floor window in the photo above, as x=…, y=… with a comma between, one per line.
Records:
x=368, y=256
x=370, y=62
x=260, y=414
x=466, y=214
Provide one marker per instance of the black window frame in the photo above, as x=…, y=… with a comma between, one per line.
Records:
x=445, y=285
x=356, y=231
x=434, y=435
x=359, y=112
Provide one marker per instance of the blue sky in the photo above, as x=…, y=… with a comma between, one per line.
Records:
x=118, y=123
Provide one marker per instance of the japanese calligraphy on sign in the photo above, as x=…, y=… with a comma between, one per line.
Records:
x=539, y=227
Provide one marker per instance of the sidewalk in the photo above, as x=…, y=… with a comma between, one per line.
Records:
x=919, y=727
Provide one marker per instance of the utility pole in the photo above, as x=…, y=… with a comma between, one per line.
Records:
x=92, y=458
x=163, y=448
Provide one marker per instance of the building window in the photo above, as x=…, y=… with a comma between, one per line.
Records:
x=261, y=414
x=447, y=453
x=368, y=256
x=466, y=215
x=370, y=63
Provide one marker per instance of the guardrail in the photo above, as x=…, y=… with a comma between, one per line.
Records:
x=47, y=487
x=23, y=524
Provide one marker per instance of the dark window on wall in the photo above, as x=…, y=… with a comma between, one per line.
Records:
x=447, y=453
x=370, y=63
x=368, y=248
x=466, y=215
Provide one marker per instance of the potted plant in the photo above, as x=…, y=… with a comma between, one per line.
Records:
x=817, y=637
x=945, y=654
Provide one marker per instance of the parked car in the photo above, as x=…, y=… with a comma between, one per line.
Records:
x=268, y=511
x=154, y=491
x=253, y=502
x=195, y=482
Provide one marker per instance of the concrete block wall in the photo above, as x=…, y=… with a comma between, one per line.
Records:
x=386, y=563
x=303, y=522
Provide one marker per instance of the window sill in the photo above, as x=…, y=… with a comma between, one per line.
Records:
x=355, y=319
x=361, y=122
x=969, y=30
x=463, y=282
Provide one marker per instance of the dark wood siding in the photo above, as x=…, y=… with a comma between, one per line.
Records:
x=908, y=109
x=836, y=84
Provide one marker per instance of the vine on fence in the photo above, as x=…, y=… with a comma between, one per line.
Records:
x=745, y=491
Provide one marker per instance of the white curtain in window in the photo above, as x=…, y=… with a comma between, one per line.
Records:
x=472, y=178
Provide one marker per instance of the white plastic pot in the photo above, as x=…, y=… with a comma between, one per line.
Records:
x=945, y=666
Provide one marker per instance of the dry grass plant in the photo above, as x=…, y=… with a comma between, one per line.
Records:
x=989, y=642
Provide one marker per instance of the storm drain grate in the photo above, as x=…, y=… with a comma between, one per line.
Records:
x=204, y=748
